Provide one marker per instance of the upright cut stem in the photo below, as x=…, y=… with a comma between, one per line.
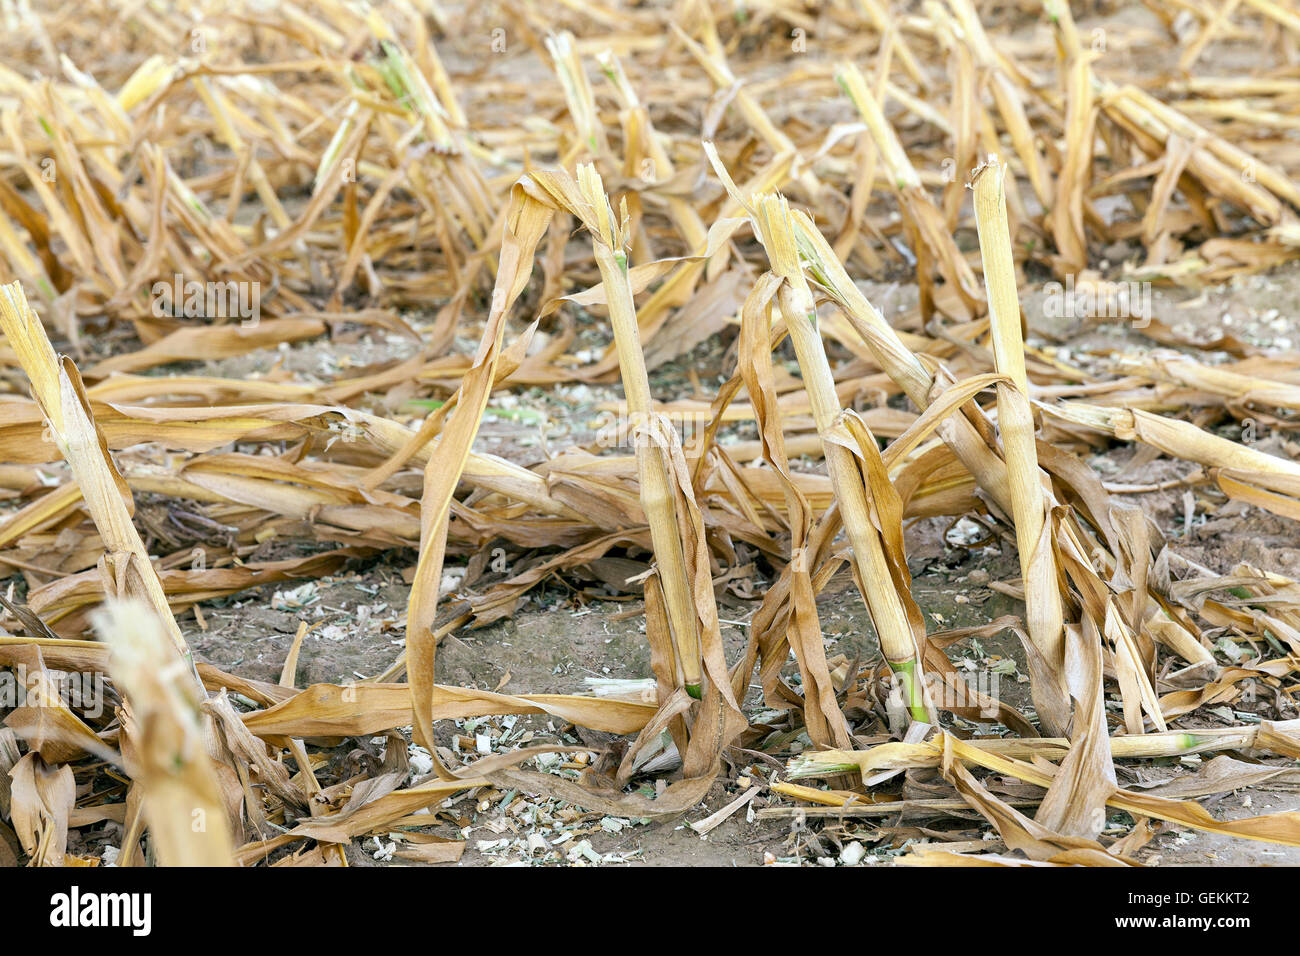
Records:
x=657, y=497
x=1016, y=424
x=882, y=599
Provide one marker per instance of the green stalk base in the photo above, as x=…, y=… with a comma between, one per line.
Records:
x=913, y=694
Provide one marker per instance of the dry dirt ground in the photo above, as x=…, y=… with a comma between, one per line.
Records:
x=560, y=637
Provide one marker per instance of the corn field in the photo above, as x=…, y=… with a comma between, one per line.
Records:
x=852, y=286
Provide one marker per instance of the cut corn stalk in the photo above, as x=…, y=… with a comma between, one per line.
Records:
x=1030, y=498
x=657, y=497
x=898, y=641
x=169, y=757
